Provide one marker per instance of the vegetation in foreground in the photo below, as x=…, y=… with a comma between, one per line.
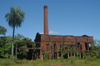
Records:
x=71, y=61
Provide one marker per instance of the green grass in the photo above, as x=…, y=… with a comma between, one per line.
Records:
x=6, y=62
x=71, y=61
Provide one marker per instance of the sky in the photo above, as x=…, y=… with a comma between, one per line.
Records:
x=65, y=17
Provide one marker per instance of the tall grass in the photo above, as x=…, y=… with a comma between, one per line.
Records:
x=6, y=62
x=71, y=61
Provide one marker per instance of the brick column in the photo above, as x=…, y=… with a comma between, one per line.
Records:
x=57, y=55
x=41, y=55
x=83, y=54
x=71, y=53
x=83, y=46
x=77, y=49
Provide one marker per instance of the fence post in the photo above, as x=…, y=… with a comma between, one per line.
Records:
x=16, y=51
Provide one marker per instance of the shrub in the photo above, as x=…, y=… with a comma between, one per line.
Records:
x=21, y=61
x=6, y=62
x=71, y=60
x=61, y=59
x=89, y=58
x=46, y=54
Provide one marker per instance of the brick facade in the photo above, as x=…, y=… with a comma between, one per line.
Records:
x=57, y=40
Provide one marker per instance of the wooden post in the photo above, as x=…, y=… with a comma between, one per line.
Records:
x=61, y=49
x=68, y=54
x=57, y=55
x=83, y=54
x=16, y=51
x=61, y=54
x=80, y=54
x=37, y=55
x=71, y=53
x=74, y=54
x=68, y=48
x=53, y=55
x=68, y=51
x=64, y=47
x=32, y=54
x=77, y=50
x=79, y=47
x=74, y=51
x=88, y=47
x=32, y=51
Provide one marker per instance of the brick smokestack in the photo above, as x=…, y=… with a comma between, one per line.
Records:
x=45, y=20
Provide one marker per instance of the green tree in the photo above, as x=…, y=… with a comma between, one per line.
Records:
x=96, y=51
x=19, y=36
x=5, y=46
x=14, y=19
x=2, y=30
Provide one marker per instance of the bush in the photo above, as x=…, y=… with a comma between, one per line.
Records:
x=89, y=58
x=21, y=61
x=61, y=59
x=71, y=60
x=6, y=62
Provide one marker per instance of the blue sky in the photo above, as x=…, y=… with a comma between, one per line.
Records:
x=65, y=17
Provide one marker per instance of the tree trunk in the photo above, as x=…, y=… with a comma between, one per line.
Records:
x=13, y=43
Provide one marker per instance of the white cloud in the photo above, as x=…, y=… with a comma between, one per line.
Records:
x=41, y=33
x=53, y=32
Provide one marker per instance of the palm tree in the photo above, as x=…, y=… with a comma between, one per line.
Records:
x=14, y=19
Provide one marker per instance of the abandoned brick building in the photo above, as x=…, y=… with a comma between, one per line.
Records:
x=62, y=44
x=58, y=45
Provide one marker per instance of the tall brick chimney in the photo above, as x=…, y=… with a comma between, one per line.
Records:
x=45, y=20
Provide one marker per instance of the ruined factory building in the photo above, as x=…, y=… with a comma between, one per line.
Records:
x=58, y=45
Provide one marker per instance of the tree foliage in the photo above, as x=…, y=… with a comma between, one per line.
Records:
x=15, y=17
x=5, y=46
x=19, y=36
x=2, y=30
x=46, y=54
x=96, y=51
